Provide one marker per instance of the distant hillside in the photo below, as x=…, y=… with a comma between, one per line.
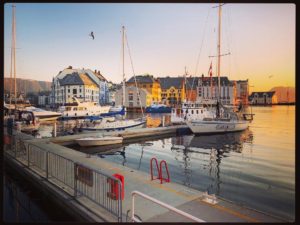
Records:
x=24, y=85
x=284, y=94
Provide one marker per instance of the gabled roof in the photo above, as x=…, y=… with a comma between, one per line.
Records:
x=71, y=79
x=167, y=82
x=192, y=83
x=269, y=94
x=76, y=79
x=223, y=81
x=87, y=80
x=142, y=79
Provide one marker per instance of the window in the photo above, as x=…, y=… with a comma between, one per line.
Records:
x=74, y=91
x=68, y=90
x=80, y=90
x=151, y=85
x=192, y=111
x=130, y=96
x=131, y=104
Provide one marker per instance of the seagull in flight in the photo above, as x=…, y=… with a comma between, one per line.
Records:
x=92, y=35
x=270, y=76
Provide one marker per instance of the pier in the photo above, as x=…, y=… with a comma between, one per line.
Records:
x=83, y=183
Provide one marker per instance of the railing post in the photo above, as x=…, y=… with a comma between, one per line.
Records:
x=28, y=156
x=120, y=202
x=75, y=180
x=132, y=207
x=47, y=165
x=15, y=147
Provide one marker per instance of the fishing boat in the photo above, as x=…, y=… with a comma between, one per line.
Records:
x=98, y=141
x=43, y=115
x=189, y=111
x=158, y=108
x=225, y=119
x=79, y=110
x=112, y=124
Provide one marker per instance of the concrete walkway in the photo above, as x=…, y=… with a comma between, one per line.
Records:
x=176, y=195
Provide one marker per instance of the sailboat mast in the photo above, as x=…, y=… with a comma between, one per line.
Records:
x=219, y=52
x=123, y=99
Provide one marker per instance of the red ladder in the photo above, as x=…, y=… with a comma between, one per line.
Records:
x=159, y=170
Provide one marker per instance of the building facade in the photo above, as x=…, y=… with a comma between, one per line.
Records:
x=148, y=83
x=131, y=97
x=81, y=83
x=208, y=90
x=172, y=90
x=263, y=98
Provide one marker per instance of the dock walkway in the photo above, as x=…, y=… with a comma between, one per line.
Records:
x=176, y=195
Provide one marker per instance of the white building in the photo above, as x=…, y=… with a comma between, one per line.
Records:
x=81, y=83
x=208, y=93
x=43, y=100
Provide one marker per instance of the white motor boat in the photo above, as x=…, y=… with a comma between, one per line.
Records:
x=79, y=109
x=43, y=115
x=112, y=124
x=97, y=141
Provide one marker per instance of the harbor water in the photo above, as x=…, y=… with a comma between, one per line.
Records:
x=255, y=168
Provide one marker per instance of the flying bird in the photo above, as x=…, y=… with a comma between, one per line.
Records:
x=270, y=76
x=92, y=35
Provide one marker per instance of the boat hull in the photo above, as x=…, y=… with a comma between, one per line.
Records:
x=85, y=142
x=137, y=125
x=158, y=110
x=214, y=127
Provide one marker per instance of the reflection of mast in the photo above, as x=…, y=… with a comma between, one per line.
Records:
x=187, y=166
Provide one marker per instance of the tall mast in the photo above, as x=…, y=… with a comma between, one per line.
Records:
x=219, y=52
x=185, y=74
x=123, y=99
x=13, y=57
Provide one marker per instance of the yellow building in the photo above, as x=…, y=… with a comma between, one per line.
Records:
x=172, y=90
x=149, y=83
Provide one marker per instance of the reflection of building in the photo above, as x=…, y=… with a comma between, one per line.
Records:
x=263, y=98
x=81, y=83
x=172, y=90
x=131, y=98
x=148, y=83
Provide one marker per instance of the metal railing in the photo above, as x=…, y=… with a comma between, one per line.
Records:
x=83, y=181
x=184, y=214
x=100, y=188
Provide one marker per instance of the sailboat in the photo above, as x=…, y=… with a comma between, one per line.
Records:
x=225, y=120
x=112, y=123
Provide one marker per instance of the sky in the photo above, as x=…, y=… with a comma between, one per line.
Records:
x=163, y=40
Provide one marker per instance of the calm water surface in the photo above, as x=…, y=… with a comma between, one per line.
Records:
x=255, y=167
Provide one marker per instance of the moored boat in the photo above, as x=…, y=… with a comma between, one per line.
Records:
x=158, y=108
x=43, y=115
x=99, y=141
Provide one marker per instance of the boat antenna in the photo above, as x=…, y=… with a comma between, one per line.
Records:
x=137, y=90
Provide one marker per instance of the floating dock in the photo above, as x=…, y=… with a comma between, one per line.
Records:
x=56, y=168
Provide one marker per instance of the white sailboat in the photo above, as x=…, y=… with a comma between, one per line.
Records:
x=225, y=120
x=111, y=123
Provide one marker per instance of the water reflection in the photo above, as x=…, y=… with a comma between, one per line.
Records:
x=209, y=150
